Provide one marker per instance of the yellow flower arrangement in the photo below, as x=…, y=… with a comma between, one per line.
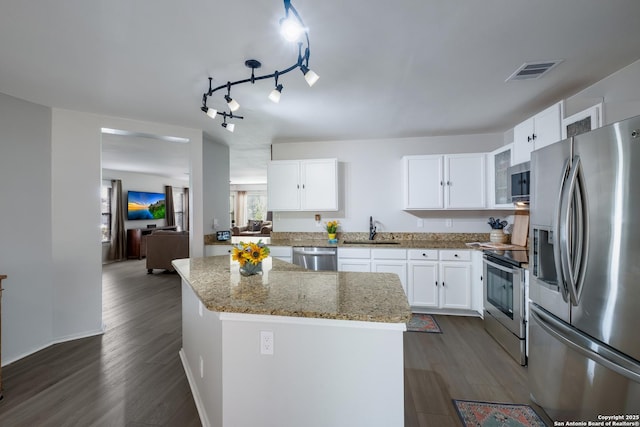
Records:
x=251, y=252
x=332, y=227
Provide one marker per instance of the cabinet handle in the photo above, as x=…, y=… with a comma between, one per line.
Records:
x=443, y=284
x=303, y=186
x=534, y=136
x=298, y=186
x=448, y=182
x=455, y=255
x=436, y=283
x=441, y=183
x=529, y=139
x=424, y=255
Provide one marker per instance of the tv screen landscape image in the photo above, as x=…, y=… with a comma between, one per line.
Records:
x=145, y=205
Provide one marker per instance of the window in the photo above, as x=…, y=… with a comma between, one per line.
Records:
x=105, y=208
x=256, y=206
x=178, y=208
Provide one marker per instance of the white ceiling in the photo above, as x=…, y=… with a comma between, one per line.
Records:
x=387, y=69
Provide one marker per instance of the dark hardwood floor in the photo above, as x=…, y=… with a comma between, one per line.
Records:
x=132, y=375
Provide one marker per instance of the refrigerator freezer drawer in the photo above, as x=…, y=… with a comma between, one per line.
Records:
x=571, y=382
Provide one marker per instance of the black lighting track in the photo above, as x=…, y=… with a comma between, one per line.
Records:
x=301, y=63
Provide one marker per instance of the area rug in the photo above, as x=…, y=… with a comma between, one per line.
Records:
x=423, y=323
x=487, y=414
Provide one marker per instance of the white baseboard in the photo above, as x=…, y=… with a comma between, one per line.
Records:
x=194, y=390
x=58, y=340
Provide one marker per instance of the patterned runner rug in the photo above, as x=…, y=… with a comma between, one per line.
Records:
x=423, y=323
x=487, y=414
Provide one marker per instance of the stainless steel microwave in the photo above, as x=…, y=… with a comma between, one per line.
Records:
x=518, y=182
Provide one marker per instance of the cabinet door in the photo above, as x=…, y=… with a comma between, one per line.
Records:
x=398, y=267
x=498, y=164
x=465, y=185
x=548, y=126
x=523, y=141
x=283, y=185
x=423, y=182
x=423, y=284
x=455, y=291
x=319, y=185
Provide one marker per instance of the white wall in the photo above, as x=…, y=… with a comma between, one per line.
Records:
x=620, y=93
x=25, y=227
x=371, y=183
x=50, y=178
x=216, y=186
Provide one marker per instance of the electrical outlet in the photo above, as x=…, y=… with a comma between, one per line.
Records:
x=266, y=342
x=200, y=308
x=201, y=367
x=448, y=223
x=420, y=223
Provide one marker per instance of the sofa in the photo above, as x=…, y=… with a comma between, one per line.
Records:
x=254, y=227
x=164, y=246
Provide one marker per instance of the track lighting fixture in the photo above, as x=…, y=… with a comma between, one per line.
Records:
x=292, y=29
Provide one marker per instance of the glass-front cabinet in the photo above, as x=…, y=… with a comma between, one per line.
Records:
x=498, y=162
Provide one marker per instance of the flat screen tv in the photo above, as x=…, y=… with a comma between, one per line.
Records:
x=145, y=205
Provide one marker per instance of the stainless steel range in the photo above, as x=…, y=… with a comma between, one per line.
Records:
x=504, y=300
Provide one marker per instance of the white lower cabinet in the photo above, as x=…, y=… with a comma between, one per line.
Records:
x=214, y=250
x=283, y=253
x=390, y=261
x=354, y=259
x=440, y=279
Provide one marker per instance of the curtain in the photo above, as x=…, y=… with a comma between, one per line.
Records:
x=170, y=212
x=241, y=208
x=185, y=210
x=117, y=250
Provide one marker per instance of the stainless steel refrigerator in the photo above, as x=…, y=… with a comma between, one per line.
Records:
x=584, y=348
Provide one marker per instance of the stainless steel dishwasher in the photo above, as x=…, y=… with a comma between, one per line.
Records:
x=316, y=258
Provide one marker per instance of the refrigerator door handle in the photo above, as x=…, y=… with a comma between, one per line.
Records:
x=585, y=345
x=557, y=257
x=572, y=230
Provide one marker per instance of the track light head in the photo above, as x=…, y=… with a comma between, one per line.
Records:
x=232, y=103
x=309, y=75
x=274, y=96
x=291, y=29
x=229, y=126
x=211, y=112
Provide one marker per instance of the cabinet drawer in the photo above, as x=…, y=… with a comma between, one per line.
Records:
x=354, y=253
x=388, y=254
x=423, y=254
x=454, y=255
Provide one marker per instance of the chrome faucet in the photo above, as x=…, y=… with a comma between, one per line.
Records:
x=372, y=229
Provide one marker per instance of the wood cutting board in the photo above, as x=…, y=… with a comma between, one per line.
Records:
x=520, y=230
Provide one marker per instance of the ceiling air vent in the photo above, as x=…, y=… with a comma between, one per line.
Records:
x=533, y=70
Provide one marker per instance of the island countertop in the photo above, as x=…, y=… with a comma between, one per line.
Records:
x=284, y=289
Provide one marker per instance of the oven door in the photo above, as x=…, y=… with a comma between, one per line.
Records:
x=504, y=294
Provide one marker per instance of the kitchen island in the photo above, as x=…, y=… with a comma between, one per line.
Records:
x=292, y=347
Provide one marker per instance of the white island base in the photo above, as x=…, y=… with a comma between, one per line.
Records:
x=323, y=372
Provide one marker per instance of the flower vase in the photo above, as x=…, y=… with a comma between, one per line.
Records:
x=497, y=235
x=332, y=238
x=250, y=269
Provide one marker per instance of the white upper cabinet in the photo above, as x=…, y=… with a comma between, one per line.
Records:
x=536, y=132
x=455, y=181
x=423, y=182
x=295, y=185
x=498, y=162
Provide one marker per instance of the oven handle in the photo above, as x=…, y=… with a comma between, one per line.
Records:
x=501, y=267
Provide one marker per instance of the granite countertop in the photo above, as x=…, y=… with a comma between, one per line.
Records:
x=285, y=289
x=382, y=240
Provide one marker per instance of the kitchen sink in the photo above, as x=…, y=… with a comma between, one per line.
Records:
x=370, y=242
